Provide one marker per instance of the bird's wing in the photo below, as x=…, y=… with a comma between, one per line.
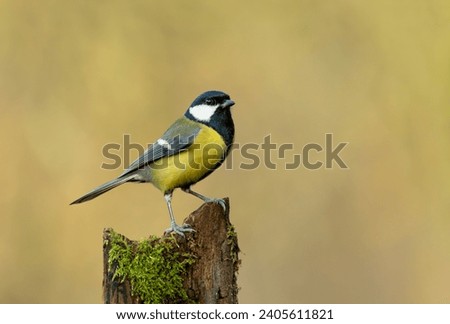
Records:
x=179, y=137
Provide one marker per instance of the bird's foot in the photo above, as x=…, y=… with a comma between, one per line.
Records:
x=219, y=201
x=180, y=230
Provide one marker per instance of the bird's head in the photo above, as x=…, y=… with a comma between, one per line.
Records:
x=208, y=104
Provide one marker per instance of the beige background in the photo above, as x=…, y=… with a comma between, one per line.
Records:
x=77, y=75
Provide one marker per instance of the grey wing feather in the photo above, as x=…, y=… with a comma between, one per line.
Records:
x=176, y=139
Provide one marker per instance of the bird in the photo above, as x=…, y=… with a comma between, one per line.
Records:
x=190, y=149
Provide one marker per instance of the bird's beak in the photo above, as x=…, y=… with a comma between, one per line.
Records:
x=228, y=103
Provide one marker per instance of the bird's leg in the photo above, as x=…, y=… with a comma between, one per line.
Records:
x=173, y=225
x=219, y=201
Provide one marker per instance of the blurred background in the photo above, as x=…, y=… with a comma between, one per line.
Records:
x=77, y=75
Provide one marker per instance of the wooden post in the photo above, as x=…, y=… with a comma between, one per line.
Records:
x=206, y=259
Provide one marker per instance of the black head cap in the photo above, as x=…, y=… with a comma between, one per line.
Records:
x=213, y=98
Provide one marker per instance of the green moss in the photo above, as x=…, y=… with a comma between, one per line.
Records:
x=232, y=242
x=154, y=267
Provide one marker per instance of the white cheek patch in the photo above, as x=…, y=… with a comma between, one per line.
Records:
x=203, y=112
x=164, y=143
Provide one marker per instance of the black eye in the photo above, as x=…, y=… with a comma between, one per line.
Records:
x=210, y=101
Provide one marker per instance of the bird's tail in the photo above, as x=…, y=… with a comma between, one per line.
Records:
x=103, y=188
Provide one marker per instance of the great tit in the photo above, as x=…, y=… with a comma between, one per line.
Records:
x=191, y=149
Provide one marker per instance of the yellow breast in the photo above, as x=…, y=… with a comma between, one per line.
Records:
x=188, y=167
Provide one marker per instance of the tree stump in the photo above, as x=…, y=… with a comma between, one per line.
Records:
x=200, y=267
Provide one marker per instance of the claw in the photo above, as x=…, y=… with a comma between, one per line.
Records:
x=219, y=201
x=180, y=230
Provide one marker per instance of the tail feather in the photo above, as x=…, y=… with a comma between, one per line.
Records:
x=102, y=189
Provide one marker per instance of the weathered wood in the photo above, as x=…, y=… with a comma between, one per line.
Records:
x=211, y=278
